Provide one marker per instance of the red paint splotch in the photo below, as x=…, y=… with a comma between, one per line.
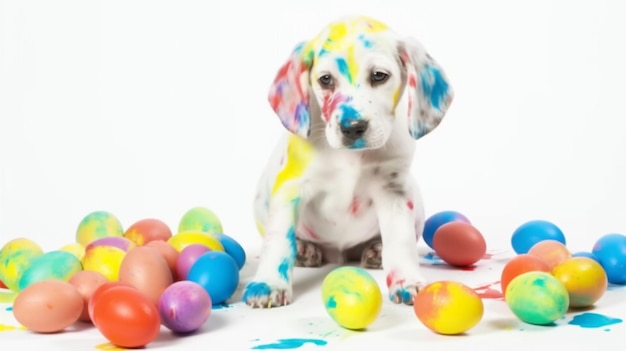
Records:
x=355, y=206
x=392, y=279
x=488, y=292
x=331, y=101
x=2, y=286
x=308, y=233
x=487, y=256
x=410, y=205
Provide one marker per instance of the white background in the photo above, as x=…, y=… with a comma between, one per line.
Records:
x=148, y=108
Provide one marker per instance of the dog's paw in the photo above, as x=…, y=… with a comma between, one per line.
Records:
x=371, y=258
x=401, y=290
x=308, y=254
x=263, y=295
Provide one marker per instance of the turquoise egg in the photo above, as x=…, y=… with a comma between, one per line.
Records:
x=53, y=265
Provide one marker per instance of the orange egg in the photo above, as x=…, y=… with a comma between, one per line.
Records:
x=584, y=278
x=551, y=252
x=521, y=264
x=145, y=269
x=48, y=306
x=459, y=244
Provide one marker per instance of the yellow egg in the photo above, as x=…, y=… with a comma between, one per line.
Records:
x=584, y=278
x=75, y=249
x=184, y=239
x=351, y=297
x=96, y=225
x=105, y=260
x=448, y=307
x=16, y=256
x=200, y=219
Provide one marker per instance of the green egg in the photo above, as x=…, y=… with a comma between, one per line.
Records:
x=16, y=257
x=537, y=298
x=97, y=225
x=200, y=219
x=53, y=265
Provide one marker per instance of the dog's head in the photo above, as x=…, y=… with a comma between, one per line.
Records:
x=356, y=71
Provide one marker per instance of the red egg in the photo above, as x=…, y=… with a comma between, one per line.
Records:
x=459, y=244
x=126, y=317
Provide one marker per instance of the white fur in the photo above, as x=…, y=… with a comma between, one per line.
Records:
x=376, y=173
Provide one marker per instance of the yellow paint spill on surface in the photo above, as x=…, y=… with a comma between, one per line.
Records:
x=109, y=347
x=5, y=327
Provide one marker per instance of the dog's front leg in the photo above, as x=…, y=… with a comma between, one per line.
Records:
x=272, y=285
x=399, y=209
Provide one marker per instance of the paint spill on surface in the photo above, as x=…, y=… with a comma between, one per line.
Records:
x=593, y=320
x=10, y=308
x=5, y=327
x=109, y=347
x=221, y=306
x=487, y=291
x=287, y=344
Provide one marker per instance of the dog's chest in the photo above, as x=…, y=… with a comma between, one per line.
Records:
x=338, y=208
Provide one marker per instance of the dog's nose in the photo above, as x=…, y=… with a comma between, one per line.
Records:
x=354, y=129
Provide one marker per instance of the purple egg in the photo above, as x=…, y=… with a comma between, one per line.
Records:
x=187, y=258
x=184, y=307
x=115, y=241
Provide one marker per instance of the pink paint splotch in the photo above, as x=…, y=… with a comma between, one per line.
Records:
x=487, y=291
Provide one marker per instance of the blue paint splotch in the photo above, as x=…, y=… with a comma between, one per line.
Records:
x=288, y=344
x=254, y=290
x=593, y=320
x=220, y=306
x=10, y=308
x=331, y=303
x=283, y=269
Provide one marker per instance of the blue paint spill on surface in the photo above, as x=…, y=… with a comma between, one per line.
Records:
x=593, y=320
x=221, y=306
x=10, y=308
x=287, y=344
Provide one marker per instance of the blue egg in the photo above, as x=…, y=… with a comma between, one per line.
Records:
x=610, y=250
x=437, y=220
x=233, y=248
x=586, y=254
x=218, y=273
x=532, y=232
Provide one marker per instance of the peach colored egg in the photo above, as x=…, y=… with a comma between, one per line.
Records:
x=551, y=252
x=145, y=269
x=168, y=252
x=48, y=306
x=146, y=230
x=86, y=282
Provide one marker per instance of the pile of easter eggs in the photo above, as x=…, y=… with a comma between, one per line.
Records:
x=128, y=283
x=545, y=279
x=454, y=239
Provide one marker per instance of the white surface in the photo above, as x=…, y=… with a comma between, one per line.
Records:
x=148, y=108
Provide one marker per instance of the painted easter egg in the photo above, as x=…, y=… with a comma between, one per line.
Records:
x=437, y=220
x=96, y=225
x=15, y=258
x=352, y=297
x=53, y=265
x=537, y=298
x=448, y=307
x=184, y=307
x=519, y=264
x=183, y=239
x=200, y=219
x=144, y=268
x=75, y=249
x=112, y=241
x=551, y=252
x=530, y=233
x=187, y=258
x=459, y=244
x=610, y=250
x=217, y=273
x=233, y=248
x=105, y=260
x=584, y=279
x=146, y=230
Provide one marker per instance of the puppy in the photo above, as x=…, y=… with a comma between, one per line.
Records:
x=338, y=186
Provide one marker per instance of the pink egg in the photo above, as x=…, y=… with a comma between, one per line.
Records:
x=119, y=242
x=187, y=258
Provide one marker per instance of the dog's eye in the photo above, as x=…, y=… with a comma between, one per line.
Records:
x=326, y=81
x=378, y=77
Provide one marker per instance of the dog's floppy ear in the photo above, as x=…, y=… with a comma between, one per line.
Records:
x=429, y=91
x=289, y=93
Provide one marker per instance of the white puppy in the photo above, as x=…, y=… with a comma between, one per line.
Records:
x=338, y=186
